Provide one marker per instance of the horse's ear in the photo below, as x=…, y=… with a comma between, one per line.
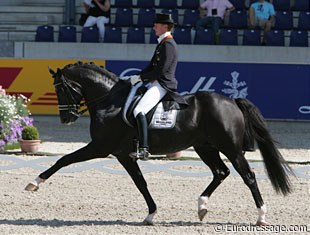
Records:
x=51, y=71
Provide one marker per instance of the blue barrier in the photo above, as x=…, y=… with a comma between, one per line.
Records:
x=281, y=91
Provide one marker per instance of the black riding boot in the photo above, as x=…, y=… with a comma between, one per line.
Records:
x=143, y=148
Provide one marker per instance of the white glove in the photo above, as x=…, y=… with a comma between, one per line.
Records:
x=125, y=78
x=135, y=79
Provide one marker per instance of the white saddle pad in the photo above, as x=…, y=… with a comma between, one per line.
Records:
x=163, y=119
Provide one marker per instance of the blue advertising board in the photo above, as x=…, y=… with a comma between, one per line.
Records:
x=280, y=91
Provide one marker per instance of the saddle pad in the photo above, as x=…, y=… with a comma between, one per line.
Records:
x=163, y=119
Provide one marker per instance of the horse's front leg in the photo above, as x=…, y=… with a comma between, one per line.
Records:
x=86, y=153
x=135, y=173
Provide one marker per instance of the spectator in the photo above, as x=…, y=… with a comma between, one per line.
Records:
x=98, y=14
x=216, y=10
x=262, y=15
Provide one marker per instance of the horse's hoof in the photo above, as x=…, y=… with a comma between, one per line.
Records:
x=149, y=219
x=148, y=222
x=32, y=187
x=202, y=213
x=262, y=223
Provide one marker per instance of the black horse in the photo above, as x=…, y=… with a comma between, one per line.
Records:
x=211, y=124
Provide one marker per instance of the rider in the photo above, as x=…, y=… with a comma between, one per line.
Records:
x=159, y=79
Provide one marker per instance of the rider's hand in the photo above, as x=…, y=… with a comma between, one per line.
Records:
x=125, y=78
x=135, y=79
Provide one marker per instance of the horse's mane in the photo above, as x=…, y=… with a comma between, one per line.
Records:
x=93, y=68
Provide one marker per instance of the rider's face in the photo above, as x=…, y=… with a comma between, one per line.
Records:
x=160, y=29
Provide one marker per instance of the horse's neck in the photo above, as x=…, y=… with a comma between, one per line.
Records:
x=95, y=85
x=114, y=99
x=119, y=92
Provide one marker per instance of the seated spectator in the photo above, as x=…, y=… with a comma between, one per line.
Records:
x=98, y=12
x=262, y=15
x=216, y=11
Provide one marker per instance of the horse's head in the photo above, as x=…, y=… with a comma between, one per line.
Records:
x=69, y=96
x=77, y=81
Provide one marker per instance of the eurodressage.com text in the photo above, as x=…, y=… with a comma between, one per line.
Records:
x=219, y=228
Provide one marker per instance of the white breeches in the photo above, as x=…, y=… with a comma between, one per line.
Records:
x=100, y=22
x=152, y=96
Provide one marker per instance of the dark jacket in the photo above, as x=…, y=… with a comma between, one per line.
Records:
x=96, y=11
x=162, y=68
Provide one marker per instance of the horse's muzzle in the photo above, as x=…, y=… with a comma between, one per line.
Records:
x=68, y=118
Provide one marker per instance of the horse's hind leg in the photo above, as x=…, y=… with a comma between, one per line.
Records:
x=135, y=173
x=242, y=167
x=211, y=157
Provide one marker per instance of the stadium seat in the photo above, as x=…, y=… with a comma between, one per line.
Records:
x=135, y=35
x=122, y=3
x=190, y=18
x=90, y=34
x=304, y=20
x=146, y=17
x=153, y=37
x=238, y=4
x=182, y=35
x=238, y=19
x=284, y=20
x=229, y=37
x=170, y=4
x=251, y=2
x=190, y=4
x=113, y=35
x=174, y=13
x=275, y=38
x=281, y=5
x=145, y=3
x=301, y=5
x=204, y=37
x=67, y=34
x=123, y=17
x=299, y=39
x=45, y=33
x=251, y=37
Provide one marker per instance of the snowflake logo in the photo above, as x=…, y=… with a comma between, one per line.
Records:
x=234, y=91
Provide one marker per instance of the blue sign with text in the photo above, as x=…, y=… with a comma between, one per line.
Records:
x=280, y=91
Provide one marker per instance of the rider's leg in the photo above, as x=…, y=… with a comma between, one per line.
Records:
x=142, y=135
x=152, y=96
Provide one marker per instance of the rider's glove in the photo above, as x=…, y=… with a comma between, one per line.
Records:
x=135, y=79
x=125, y=78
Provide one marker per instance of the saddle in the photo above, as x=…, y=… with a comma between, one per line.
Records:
x=162, y=116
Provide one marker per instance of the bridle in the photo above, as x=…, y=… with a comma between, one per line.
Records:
x=71, y=90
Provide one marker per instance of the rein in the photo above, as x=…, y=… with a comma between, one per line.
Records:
x=91, y=103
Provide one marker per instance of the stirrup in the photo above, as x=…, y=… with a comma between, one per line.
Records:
x=141, y=153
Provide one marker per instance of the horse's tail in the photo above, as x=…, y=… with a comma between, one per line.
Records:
x=276, y=166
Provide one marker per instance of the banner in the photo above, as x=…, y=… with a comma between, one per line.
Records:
x=280, y=91
x=31, y=78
